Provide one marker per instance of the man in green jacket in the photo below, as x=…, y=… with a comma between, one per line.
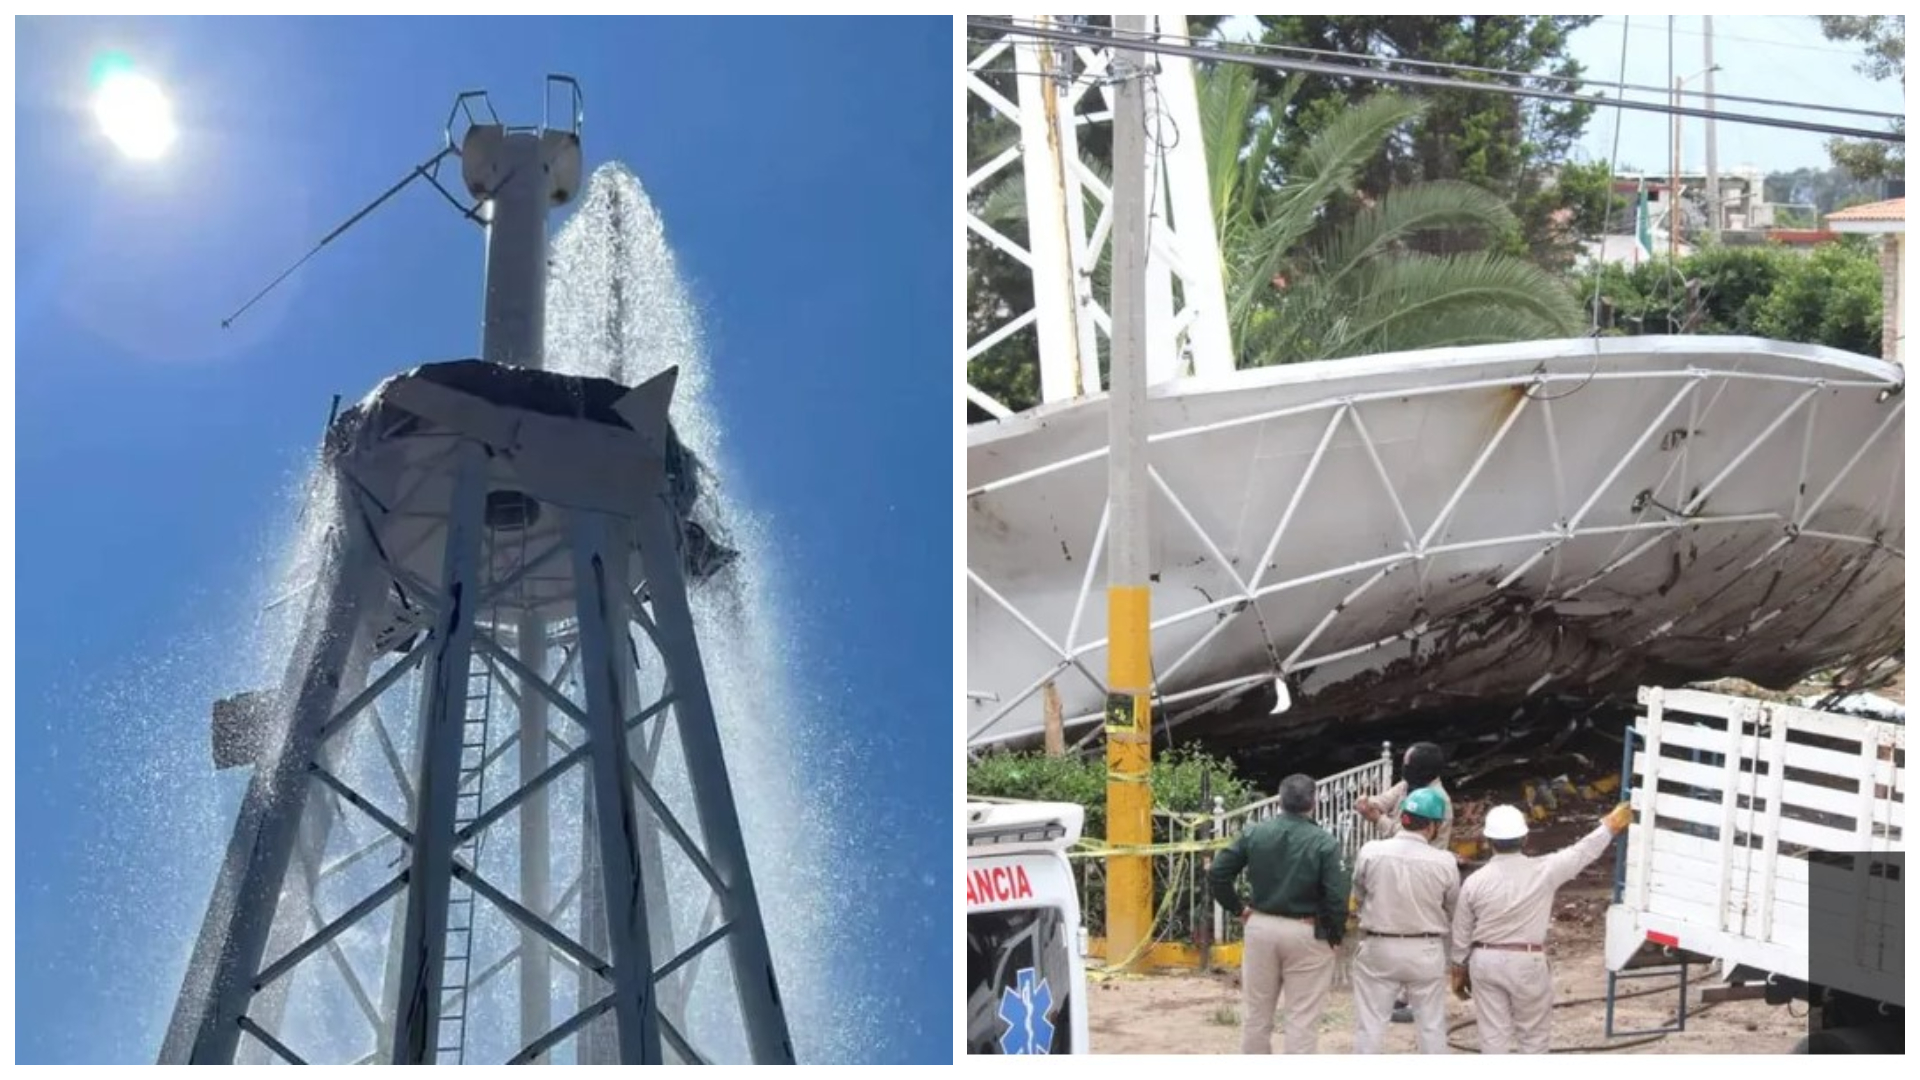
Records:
x=1294, y=920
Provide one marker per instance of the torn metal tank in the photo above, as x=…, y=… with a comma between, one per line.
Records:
x=510, y=402
x=1449, y=529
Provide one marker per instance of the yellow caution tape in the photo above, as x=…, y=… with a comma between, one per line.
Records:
x=1096, y=850
x=1175, y=887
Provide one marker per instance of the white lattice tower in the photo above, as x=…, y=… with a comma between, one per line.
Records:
x=497, y=688
x=1060, y=92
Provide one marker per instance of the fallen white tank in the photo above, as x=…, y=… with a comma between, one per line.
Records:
x=1450, y=527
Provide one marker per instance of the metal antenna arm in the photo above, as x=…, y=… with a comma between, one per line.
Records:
x=425, y=168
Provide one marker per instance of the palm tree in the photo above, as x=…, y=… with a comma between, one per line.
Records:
x=1303, y=286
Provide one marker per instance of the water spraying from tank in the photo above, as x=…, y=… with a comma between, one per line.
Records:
x=535, y=758
x=618, y=307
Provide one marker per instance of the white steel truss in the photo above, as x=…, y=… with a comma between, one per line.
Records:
x=364, y=952
x=478, y=516
x=1054, y=96
x=1393, y=532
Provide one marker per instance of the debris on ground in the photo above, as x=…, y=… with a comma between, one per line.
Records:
x=1187, y=1014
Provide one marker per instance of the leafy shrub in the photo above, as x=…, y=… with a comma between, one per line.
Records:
x=1176, y=780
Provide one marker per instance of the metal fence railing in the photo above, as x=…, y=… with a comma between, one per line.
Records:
x=1185, y=912
x=1333, y=799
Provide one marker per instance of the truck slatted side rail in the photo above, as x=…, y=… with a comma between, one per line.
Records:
x=1737, y=802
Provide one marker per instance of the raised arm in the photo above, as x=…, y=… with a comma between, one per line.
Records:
x=1372, y=806
x=1565, y=865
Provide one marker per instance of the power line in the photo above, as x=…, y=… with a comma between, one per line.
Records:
x=1568, y=80
x=1151, y=44
x=1753, y=40
x=1598, y=84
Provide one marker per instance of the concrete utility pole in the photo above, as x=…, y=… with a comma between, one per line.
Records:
x=1673, y=185
x=1713, y=152
x=1129, y=724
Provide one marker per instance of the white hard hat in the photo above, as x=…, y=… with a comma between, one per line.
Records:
x=1505, y=823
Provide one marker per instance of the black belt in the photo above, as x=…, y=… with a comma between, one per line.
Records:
x=1378, y=933
x=1287, y=915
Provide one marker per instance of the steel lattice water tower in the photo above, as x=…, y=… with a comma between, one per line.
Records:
x=467, y=833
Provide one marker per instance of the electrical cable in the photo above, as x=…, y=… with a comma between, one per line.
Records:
x=1764, y=41
x=418, y=171
x=1313, y=67
x=1474, y=69
x=1565, y=80
x=1596, y=1048
x=1606, y=220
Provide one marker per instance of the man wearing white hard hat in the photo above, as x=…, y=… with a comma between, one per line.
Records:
x=1500, y=929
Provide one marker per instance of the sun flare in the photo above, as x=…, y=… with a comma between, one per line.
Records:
x=135, y=115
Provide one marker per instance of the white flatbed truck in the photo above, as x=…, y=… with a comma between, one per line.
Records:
x=1768, y=841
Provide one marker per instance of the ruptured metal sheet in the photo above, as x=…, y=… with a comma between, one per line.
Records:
x=1451, y=527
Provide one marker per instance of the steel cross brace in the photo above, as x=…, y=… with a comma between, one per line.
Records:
x=1422, y=548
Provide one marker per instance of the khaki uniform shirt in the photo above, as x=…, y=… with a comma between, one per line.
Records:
x=1509, y=901
x=1405, y=886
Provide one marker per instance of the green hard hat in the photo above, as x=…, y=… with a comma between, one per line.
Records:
x=1425, y=803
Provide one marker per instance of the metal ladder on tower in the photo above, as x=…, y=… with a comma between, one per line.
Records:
x=468, y=803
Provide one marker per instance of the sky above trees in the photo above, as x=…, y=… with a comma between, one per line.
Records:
x=1776, y=56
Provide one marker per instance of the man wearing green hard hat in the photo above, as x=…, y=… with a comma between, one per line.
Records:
x=1500, y=929
x=1406, y=889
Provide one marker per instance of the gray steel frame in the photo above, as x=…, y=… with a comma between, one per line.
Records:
x=259, y=927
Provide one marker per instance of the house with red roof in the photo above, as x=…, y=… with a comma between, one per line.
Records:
x=1888, y=220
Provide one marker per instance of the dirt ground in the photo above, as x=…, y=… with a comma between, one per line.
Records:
x=1200, y=1014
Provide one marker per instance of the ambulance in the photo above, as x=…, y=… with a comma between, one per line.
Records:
x=1026, y=968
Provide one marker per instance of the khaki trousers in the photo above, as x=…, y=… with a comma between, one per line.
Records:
x=1512, y=1001
x=1283, y=954
x=1381, y=969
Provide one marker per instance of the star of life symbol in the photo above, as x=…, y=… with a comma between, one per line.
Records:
x=1025, y=1007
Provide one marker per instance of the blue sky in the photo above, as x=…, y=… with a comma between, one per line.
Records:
x=803, y=169
x=1781, y=57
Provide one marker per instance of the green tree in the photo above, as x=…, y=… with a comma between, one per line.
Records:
x=1175, y=779
x=1826, y=190
x=1182, y=781
x=999, y=286
x=1883, y=40
x=1510, y=151
x=1831, y=297
x=1507, y=145
x=1584, y=191
x=1307, y=284
x=1735, y=282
